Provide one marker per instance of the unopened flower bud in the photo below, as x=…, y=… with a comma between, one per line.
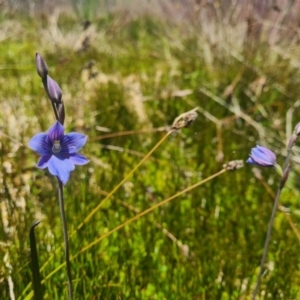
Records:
x=292, y=140
x=284, y=177
x=41, y=66
x=262, y=156
x=61, y=113
x=53, y=90
x=297, y=129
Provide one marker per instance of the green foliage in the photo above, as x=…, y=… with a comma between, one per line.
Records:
x=136, y=76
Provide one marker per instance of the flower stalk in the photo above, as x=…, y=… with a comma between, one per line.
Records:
x=266, y=158
x=267, y=242
x=58, y=150
x=66, y=239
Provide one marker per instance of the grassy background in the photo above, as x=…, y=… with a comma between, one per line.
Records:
x=136, y=69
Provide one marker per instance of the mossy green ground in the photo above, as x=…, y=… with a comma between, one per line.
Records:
x=138, y=76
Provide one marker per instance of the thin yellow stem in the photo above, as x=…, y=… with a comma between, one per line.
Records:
x=129, y=132
x=149, y=210
x=135, y=218
x=121, y=183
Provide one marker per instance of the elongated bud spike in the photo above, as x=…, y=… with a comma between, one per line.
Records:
x=292, y=140
x=53, y=90
x=284, y=177
x=61, y=113
x=294, y=136
x=297, y=129
x=41, y=66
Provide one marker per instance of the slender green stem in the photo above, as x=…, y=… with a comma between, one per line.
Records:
x=268, y=237
x=267, y=242
x=36, y=276
x=65, y=234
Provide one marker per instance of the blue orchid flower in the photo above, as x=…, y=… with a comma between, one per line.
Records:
x=262, y=156
x=59, y=151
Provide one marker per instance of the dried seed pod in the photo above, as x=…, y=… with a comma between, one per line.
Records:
x=185, y=119
x=233, y=165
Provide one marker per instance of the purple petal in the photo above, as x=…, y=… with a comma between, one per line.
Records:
x=262, y=156
x=265, y=152
x=78, y=159
x=43, y=161
x=251, y=161
x=60, y=168
x=56, y=132
x=40, y=144
x=73, y=142
x=261, y=162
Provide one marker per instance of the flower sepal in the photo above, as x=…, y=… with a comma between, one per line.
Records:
x=278, y=170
